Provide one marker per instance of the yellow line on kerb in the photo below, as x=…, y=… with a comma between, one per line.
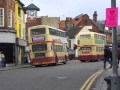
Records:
x=87, y=85
x=92, y=81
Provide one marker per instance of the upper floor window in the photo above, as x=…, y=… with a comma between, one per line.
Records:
x=19, y=11
x=19, y=30
x=9, y=18
x=1, y=17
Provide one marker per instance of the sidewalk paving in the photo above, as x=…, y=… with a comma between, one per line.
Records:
x=100, y=83
x=15, y=67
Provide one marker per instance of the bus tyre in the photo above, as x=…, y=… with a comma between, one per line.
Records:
x=82, y=60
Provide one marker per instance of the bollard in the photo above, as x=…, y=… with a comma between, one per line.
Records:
x=108, y=81
x=115, y=83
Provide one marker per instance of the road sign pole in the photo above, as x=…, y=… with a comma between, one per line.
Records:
x=115, y=78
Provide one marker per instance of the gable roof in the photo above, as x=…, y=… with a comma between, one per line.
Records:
x=73, y=32
x=32, y=7
x=22, y=5
x=20, y=2
x=79, y=16
x=99, y=24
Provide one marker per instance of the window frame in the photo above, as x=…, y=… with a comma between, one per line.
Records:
x=9, y=18
x=1, y=25
x=19, y=11
x=55, y=32
x=38, y=31
x=39, y=47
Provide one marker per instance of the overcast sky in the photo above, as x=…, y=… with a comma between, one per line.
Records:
x=71, y=8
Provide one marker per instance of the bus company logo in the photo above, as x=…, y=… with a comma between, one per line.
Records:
x=38, y=38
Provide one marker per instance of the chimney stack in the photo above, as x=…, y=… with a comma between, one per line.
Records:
x=95, y=16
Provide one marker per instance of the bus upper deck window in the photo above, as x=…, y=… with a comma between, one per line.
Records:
x=38, y=31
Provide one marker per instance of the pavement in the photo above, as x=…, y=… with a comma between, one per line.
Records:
x=100, y=83
x=13, y=66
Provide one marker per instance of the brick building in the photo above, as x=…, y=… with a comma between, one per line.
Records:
x=7, y=30
x=84, y=20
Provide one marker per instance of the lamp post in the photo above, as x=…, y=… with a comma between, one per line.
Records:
x=113, y=82
x=115, y=78
x=114, y=49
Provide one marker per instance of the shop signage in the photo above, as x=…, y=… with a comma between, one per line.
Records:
x=38, y=38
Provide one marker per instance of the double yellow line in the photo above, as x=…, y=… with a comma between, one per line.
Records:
x=88, y=84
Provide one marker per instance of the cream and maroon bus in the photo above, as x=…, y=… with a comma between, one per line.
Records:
x=91, y=46
x=48, y=45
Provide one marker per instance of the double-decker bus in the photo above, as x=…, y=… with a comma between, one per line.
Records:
x=91, y=47
x=48, y=45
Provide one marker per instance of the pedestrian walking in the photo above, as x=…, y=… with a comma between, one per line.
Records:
x=111, y=54
x=3, y=59
x=107, y=56
x=118, y=55
x=28, y=58
x=0, y=60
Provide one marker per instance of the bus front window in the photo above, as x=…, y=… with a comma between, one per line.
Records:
x=39, y=47
x=38, y=31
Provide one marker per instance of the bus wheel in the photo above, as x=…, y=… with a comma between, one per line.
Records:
x=82, y=60
x=37, y=65
x=65, y=60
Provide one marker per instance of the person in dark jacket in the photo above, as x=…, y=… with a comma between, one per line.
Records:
x=111, y=55
x=118, y=55
x=107, y=54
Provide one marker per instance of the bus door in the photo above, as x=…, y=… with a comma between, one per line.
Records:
x=55, y=53
x=54, y=49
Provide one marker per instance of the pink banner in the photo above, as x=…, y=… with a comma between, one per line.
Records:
x=111, y=17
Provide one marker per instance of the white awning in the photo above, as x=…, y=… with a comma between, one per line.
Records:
x=7, y=37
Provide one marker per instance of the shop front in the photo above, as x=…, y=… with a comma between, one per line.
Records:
x=7, y=46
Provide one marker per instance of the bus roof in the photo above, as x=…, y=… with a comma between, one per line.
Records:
x=38, y=26
x=83, y=33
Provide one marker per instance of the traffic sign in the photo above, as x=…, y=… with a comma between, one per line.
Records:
x=111, y=17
